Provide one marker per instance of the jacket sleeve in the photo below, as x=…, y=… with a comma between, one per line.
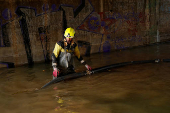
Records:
x=78, y=56
x=57, y=50
x=55, y=55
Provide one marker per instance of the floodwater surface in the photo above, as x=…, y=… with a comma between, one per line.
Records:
x=139, y=88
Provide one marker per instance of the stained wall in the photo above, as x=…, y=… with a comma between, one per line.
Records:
x=30, y=28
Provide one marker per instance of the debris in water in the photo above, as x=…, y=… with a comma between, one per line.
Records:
x=55, y=88
x=60, y=100
x=57, y=96
x=56, y=109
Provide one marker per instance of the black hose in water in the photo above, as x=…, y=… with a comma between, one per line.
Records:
x=110, y=66
x=124, y=64
x=166, y=60
x=66, y=77
x=76, y=75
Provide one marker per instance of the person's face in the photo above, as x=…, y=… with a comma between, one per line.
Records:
x=69, y=40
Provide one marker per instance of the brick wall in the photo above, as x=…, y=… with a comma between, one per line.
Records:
x=29, y=30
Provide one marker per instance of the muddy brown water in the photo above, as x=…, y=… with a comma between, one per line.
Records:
x=142, y=88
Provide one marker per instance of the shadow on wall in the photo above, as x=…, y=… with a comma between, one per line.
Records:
x=85, y=45
x=43, y=31
x=106, y=46
x=5, y=38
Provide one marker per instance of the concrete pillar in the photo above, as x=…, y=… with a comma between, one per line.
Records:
x=157, y=19
x=147, y=15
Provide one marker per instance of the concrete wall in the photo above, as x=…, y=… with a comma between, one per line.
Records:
x=30, y=29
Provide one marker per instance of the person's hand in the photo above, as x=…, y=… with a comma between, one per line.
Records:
x=88, y=67
x=55, y=72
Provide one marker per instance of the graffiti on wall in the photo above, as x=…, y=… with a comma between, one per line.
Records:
x=119, y=42
x=4, y=39
x=45, y=7
x=45, y=41
x=104, y=23
x=26, y=38
x=6, y=14
x=107, y=23
x=26, y=14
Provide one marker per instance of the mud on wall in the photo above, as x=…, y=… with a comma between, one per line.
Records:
x=30, y=29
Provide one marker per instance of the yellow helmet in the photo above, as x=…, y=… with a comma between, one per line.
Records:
x=69, y=32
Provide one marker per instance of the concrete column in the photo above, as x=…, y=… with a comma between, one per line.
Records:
x=147, y=15
x=157, y=19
